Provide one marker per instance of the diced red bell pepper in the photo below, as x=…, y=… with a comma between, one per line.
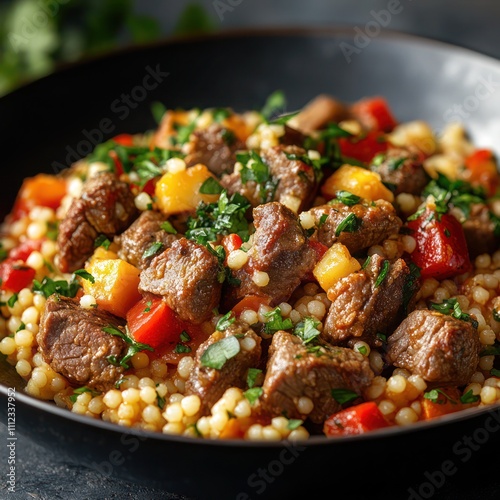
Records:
x=482, y=170
x=151, y=321
x=375, y=113
x=441, y=250
x=124, y=139
x=23, y=251
x=448, y=401
x=363, y=148
x=357, y=419
x=15, y=276
x=231, y=242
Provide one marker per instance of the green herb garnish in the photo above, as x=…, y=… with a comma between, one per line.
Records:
x=349, y=225
x=347, y=198
x=452, y=308
x=133, y=346
x=216, y=354
x=152, y=250
x=343, y=395
x=84, y=275
x=276, y=322
x=307, y=329
x=383, y=274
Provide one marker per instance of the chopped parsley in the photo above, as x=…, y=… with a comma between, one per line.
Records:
x=225, y=321
x=363, y=350
x=3, y=253
x=118, y=383
x=495, y=372
x=84, y=275
x=382, y=337
x=52, y=230
x=307, y=329
x=184, y=336
x=211, y=186
x=223, y=217
x=273, y=105
x=133, y=346
x=82, y=390
x=185, y=131
x=347, y=198
x=256, y=170
x=168, y=228
x=216, y=354
x=253, y=394
x=147, y=309
x=48, y=286
x=102, y=241
x=316, y=164
x=153, y=249
x=282, y=119
x=343, y=395
x=322, y=220
x=294, y=423
x=158, y=109
x=252, y=375
x=410, y=285
x=496, y=315
x=366, y=263
x=160, y=400
x=349, y=225
x=383, y=274
x=396, y=163
x=12, y=300
x=276, y=322
x=469, y=397
x=492, y=350
x=220, y=114
x=22, y=326
x=434, y=397
x=181, y=348
x=452, y=308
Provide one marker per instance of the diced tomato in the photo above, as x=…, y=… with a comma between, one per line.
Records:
x=441, y=251
x=363, y=148
x=23, y=251
x=124, y=139
x=118, y=164
x=252, y=302
x=15, y=276
x=482, y=170
x=357, y=419
x=231, y=242
x=448, y=401
x=374, y=112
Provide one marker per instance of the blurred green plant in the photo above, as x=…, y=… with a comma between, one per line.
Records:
x=36, y=35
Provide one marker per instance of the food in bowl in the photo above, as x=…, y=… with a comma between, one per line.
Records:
x=248, y=275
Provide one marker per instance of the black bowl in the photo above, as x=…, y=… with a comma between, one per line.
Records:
x=52, y=122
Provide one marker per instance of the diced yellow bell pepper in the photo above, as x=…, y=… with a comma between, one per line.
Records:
x=358, y=181
x=335, y=264
x=179, y=191
x=115, y=286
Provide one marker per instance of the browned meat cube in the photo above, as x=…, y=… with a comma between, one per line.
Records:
x=186, y=274
x=214, y=147
x=372, y=222
x=296, y=370
x=367, y=302
x=294, y=181
x=403, y=171
x=210, y=383
x=74, y=344
x=280, y=249
x=441, y=349
x=105, y=207
x=480, y=230
x=145, y=231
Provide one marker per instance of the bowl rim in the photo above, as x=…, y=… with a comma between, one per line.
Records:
x=333, y=31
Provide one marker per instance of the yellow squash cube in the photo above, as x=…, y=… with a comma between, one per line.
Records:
x=115, y=286
x=179, y=191
x=358, y=181
x=336, y=263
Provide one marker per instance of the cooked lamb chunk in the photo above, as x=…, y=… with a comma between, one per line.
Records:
x=367, y=302
x=295, y=181
x=294, y=370
x=280, y=248
x=403, y=171
x=441, y=349
x=373, y=222
x=105, y=207
x=480, y=232
x=317, y=113
x=214, y=147
x=74, y=344
x=211, y=383
x=145, y=231
x=186, y=274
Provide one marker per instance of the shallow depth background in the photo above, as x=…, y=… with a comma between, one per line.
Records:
x=38, y=35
